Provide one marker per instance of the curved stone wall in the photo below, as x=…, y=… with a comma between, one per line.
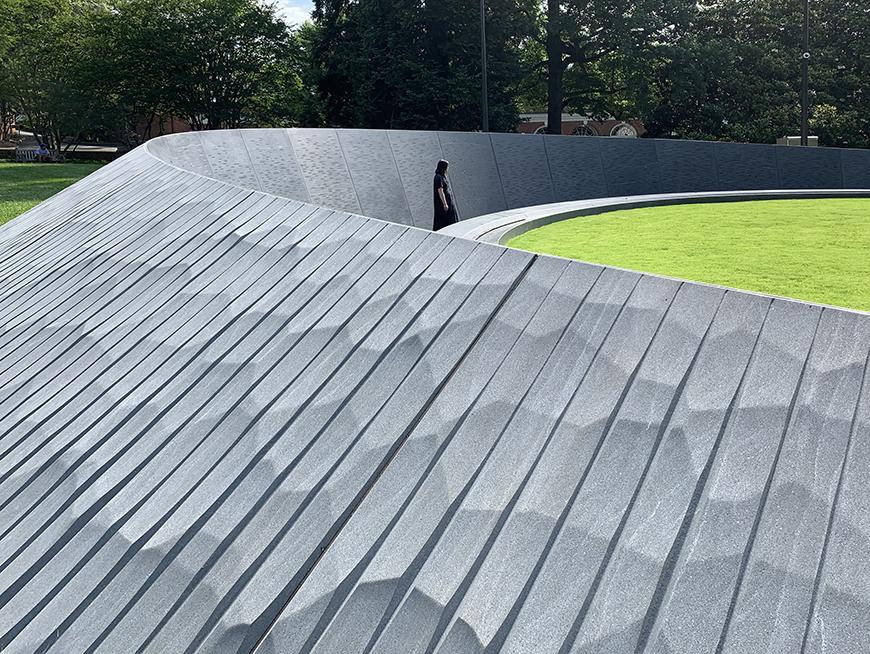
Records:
x=234, y=422
x=388, y=175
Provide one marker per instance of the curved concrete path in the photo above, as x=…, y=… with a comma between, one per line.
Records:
x=502, y=226
x=236, y=414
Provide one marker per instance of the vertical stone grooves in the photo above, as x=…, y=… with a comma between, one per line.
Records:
x=571, y=636
x=406, y=584
x=747, y=551
x=344, y=160
x=407, y=578
x=348, y=585
x=251, y=161
x=272, y=615
x=58, y=364
x=310, y=398
x=501, y=635
x=143, y=403
x=449, y=613
x=820, y=569
x=123, y=234
x=230, y=421
x=663, y=587
x=129, y=514
x=52, y=412
x=204, y=439
x=5, y=596
x=401, y=181
x=498, y=172
x=312, y=493
x=94, y=302
x=118, y=195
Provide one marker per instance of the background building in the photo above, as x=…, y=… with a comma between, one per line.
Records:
x=577, y=125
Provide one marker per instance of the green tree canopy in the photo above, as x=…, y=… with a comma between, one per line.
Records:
x=47, y=66
x=722, y=69
x=595, y=54
x=736, y=75
x=399, y=64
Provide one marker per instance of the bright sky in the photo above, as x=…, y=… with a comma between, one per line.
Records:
x=295, y=11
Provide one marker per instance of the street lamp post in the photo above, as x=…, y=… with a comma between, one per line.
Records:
x=805, y=76
x=484, y=102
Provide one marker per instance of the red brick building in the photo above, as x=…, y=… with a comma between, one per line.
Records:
x=160, y=126
x=577, y=125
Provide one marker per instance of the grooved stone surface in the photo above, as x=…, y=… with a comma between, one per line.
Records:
x=275, y=163
x=375, y=175
x=324, y=167
x=232, y=421
x=799, y=165
x=856, y=168
x=416, y=155
x=524, y=170
x=388, y=175
x=575, y=166
x=630, y=165
x=686, y=166
x=746, y=166
x=188, y=152
x=228, y=158
x=473, y=174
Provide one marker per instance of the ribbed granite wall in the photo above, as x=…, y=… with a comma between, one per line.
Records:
x=234, y=422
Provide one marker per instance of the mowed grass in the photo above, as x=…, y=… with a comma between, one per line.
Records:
x=815, y=250
x=23, y=186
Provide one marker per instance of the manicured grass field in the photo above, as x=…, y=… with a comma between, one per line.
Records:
x=816, y=250
x=23, y=186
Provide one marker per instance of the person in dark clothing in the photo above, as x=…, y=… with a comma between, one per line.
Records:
x=445, y=211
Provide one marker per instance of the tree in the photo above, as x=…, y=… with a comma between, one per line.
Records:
x=8, y=33
x=214, y=63
x=592, y=49
x=737, y=75
x=839, y=69
x=49, y=67
x=226, y=53
x=141, y=60
x=395, y=64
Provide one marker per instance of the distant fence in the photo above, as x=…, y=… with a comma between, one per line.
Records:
x=72, y=155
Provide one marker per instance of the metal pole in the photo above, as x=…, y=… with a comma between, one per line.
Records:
x=483, y=92
x=805, y=76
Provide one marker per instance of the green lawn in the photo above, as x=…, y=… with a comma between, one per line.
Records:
x=816, y=250
x=25, y=185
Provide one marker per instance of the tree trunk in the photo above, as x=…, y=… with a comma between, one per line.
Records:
x=554, y=69
x=5, y=131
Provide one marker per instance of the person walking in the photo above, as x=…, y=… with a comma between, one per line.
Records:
x=445, y=211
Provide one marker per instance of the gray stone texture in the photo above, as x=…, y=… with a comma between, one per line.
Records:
x=275, y=163
x=523, y=169
x=388, y=175
x=324, y=168
x=856, y=168
x=575, y=168
x=474, y=176
x=416, y=155
x=630, y=165
x=747, y=166
x=686, y=166
x=822, y=165
x=235, y=417
x=375, y=174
